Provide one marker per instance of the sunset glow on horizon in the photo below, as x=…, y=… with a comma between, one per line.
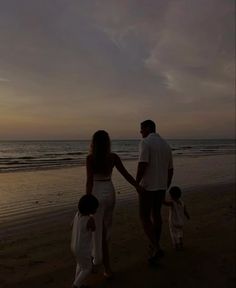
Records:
x=69, y=68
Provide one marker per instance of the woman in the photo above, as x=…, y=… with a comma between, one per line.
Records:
x=100, y=163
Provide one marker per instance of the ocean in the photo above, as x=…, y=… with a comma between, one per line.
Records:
x=32, y=186
x=39, y=155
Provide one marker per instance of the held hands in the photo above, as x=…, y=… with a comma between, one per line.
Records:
x=139, y=189
x=91, y=224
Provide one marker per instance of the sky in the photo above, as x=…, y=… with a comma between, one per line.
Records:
x=71, y=67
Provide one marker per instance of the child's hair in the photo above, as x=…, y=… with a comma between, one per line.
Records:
x=88, y=204
x=175, y=192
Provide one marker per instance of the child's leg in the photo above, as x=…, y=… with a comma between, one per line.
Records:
x=173, y=235
x=80, y=275
x=77, y=271
x=180, y=238
x=181, y=244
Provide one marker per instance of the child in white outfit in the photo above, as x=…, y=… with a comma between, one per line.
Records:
x=176, y=217
x=81, y=242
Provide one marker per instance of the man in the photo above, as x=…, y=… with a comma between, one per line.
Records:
x=154, y=173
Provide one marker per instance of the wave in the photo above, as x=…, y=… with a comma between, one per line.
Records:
x=64, y=153
x=17, y=156
x=76, y=153
x=44, y=166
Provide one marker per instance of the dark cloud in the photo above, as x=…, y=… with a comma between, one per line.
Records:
x=100, y=60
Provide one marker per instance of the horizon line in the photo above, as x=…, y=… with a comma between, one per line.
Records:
x=115, y=139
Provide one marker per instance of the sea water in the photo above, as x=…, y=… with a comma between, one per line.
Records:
x=34, y=155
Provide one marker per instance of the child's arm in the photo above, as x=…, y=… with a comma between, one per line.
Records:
x=91, y=224
x=186, y=213
x=73, y=220
x=167, y=203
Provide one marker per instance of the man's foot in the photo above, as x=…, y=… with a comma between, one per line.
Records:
x=159, y=253
x=181, y=244
x=179, y=247
x=155, y=252
x=156, y=255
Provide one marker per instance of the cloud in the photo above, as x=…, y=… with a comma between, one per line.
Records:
x=192, y=51
x=122, y=59
x=4, y=79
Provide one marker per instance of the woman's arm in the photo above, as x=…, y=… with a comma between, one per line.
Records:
x=89, y=181
x=120, y=167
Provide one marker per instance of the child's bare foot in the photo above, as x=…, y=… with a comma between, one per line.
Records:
x=108, y=273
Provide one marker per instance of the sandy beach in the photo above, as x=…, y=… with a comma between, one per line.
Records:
x=36, y=231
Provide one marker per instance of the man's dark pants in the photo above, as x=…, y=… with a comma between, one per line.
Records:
x=150, y=203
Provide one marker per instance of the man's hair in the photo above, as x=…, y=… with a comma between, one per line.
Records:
x=149, y=124
x=175, y=192
x=88, y=204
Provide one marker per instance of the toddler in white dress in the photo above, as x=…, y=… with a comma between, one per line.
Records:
x=177, y=213
x=81, y=242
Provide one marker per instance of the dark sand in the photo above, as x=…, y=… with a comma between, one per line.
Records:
x=39, y=255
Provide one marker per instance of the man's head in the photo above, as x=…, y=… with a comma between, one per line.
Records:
x=147, y=127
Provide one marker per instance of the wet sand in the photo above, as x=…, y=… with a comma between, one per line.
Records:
x=35, y=249
x=27, y=194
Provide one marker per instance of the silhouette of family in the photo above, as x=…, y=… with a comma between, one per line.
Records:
x=92, y=223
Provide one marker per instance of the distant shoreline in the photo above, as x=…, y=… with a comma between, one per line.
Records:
x=122, y=139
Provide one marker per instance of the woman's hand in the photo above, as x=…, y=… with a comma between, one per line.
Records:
x=139, y=189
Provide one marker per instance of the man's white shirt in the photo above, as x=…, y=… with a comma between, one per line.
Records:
x=157, y=153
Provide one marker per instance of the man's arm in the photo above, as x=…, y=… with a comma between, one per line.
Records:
x=120, y=167
x=143, y=161
x=142, y=166
x=170, y=168
x=170, y=176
